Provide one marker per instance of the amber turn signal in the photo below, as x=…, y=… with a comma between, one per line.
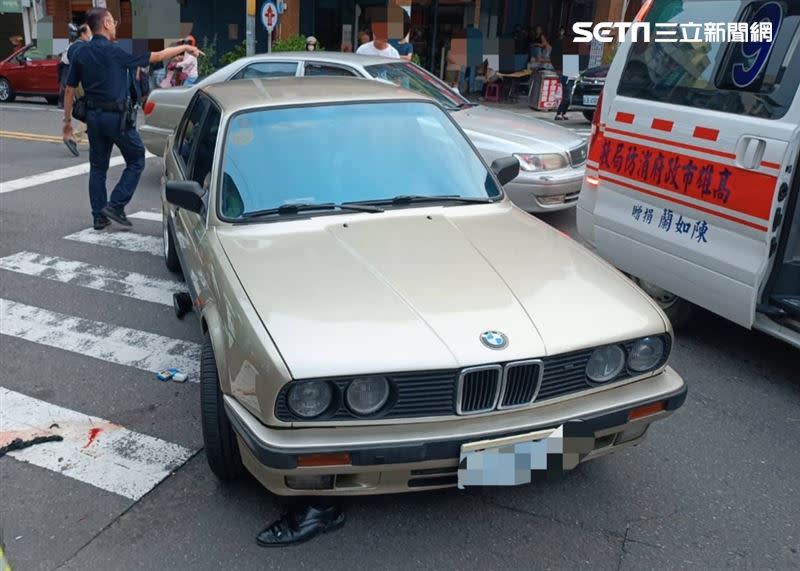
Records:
x=317, y=460
x=647, y=410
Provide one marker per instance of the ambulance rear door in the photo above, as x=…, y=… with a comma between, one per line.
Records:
x=693, y=144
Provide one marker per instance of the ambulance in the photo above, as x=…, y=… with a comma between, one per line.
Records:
x=692, y=179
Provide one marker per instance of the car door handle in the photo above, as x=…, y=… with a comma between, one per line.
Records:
x=750, y=151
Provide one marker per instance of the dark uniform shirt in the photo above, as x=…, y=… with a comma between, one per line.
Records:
x=105, y=70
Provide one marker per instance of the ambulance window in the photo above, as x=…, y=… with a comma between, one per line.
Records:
x=758, y=79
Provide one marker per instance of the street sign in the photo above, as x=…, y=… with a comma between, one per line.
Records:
x=269, y=15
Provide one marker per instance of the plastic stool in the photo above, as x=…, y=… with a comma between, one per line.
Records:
x=492, y=92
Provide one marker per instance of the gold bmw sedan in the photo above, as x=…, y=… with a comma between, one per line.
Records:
x=378, y=316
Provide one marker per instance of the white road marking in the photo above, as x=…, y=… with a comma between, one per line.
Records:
x=130, y=241
x=95, y=451
x=146, y=215
x=120, y=345
x=100, y=278
x=59, y=174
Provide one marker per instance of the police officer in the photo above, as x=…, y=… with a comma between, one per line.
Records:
x=106, y=73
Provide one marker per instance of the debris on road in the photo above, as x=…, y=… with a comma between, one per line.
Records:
x=172, y=374
x=19, y=443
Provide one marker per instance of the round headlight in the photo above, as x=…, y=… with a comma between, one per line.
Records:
x=605, y=363
x=308, y=399
x=367, y=395
x=646, y=354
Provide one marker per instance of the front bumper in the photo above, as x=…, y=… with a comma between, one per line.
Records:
x=546, y=191
x=418, y=456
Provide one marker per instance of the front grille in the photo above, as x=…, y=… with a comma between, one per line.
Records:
x=521, y=383
x=577, y=156
x=478, y=388
x=470, y=391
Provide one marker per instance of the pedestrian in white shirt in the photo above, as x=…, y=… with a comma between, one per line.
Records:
x=379, y=46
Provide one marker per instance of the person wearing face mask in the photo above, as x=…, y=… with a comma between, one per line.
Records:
x=311, y=43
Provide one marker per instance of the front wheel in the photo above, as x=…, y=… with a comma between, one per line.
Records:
x=678, y=310
x=170, y=253
x=221, y=446
x=6, y=93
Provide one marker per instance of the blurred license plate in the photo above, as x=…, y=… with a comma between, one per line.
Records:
x=508, y=461
x=590, y=99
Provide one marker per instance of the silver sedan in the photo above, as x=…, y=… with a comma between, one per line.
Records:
x=552, y=159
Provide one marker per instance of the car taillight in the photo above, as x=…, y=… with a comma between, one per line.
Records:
x=148, y=107
x=642, y=13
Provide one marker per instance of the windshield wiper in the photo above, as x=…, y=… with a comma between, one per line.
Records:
x=415, y=198
x=286, y=209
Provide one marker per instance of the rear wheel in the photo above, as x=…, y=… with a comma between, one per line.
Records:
x=589, y=115
x=222, y=449
x=6, y=93
x=170, y=253
x=52, y=100
x=677, y=309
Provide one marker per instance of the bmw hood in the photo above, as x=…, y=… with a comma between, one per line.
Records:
x=419, y=288
x=506, y=133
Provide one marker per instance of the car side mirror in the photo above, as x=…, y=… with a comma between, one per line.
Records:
x=186, y=194
x=506, y=169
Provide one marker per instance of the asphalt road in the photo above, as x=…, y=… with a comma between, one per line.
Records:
x=715, y=486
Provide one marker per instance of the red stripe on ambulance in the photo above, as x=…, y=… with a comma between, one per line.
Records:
x=623, y=117
x=706, y=133
x=662, y=125
x=714, y=183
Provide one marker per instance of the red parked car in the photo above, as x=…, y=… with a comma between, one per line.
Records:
x=29, y=71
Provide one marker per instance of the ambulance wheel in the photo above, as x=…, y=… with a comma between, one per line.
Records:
x=221, y=446
x=589, y=115
x=678, y=310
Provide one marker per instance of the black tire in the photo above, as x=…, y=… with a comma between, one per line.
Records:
x=52, y=100
x=678, y=310
x=222, y=449
x=7, y=94
x=171, y=259
x=588, y=115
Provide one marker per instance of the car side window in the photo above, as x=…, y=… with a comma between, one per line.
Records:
x=190, y=131
x=204, y=151
x=267, y=69
x=327, y=70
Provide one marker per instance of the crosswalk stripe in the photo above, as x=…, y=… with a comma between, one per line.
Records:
x=59, y=174
x=100, y=278
x=95, y=451
x=130, y=241
x=121, y=345
x=146, y=215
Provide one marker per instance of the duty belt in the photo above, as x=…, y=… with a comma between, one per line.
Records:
x=116, y=106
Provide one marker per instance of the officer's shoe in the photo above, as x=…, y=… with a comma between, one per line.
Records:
x=117, y=215
x=100, y=222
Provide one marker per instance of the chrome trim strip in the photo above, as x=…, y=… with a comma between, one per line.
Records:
x=460, y=388
x=515, y=364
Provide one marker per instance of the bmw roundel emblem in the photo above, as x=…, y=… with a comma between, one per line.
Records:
x=494, y=339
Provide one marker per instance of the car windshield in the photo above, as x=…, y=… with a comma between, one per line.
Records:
x=340, y=153
x=409, y=76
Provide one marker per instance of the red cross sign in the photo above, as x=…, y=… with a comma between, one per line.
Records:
x=269, y=15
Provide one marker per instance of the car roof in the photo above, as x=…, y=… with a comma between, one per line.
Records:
x=242, y=94
x=347, y=58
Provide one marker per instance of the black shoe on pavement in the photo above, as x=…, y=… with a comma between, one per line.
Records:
x=100, y=222
x=301, y=525
x=117, y=215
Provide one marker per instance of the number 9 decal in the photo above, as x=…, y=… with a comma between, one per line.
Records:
x=757, y=53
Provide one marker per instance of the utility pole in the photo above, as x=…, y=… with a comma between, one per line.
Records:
x=250, y=33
